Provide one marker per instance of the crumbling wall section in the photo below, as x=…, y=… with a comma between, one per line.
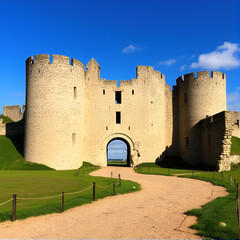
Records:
x=216, y=140
x=236, y=128
x=2, y=127
x=14, y=112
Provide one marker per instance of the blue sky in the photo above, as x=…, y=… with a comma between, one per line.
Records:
x=174, y=36
x=117, y=149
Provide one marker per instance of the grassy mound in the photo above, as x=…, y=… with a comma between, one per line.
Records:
x=6, y=119
x=235, y=147
x=11, y=159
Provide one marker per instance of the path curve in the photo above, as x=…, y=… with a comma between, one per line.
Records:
x=156, y=212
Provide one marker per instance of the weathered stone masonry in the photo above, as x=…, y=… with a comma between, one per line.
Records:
x=72, y=114
x=216, y=138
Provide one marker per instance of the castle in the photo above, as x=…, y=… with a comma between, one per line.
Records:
x=72, y=115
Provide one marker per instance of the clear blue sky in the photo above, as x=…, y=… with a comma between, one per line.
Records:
x=117, y=149
x=173, y=36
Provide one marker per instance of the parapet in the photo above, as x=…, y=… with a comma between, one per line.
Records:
x=112, y=83
x=179, y=80
x=203, y=74
x=14, y=112
x=59, y=59
x=41, y=58
x=146, y=70
x=189, y=76
x=30, y=60
x=76, y=62
x=218, y=74
x=200, y=75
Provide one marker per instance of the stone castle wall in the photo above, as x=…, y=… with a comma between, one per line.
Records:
x=197, y=97
x=2, y=127
x=64, y=128
x=71, y=113
x=14, y=112
x=236, y=128
x=17, y=127
x=216, y=139
x=54, y=104
x=142, y=108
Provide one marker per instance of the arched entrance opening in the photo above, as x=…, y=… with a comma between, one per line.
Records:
x=118, y=153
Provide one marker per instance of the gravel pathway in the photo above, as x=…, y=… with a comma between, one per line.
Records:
x=156, y=212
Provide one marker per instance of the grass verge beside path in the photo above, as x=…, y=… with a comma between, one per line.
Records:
x=11, y=159
x=235, y=147
x=213, y=214
x=38, y=184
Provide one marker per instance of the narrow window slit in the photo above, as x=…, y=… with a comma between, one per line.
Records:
x=75, y=92
x=118, y=117
x=185, y=97
x=118, y=97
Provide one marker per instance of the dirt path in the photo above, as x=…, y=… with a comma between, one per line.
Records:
x=156, y=212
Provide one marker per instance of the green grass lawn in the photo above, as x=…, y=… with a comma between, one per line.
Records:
x=17, y=177
x=235, y=147
x=117, y=163
x=222, y=209
x=11, y=159
x=37, y=184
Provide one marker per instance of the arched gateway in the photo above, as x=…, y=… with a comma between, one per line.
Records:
x=118, y=153
x=131, y=151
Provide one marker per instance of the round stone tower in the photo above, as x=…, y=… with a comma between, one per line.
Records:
x=53, y=111
x=197, y=98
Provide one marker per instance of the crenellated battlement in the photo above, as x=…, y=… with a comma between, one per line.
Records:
x=75, y=62
x=203, y=74
x=200, y=75
x=216, y=74
x=142, y=71
x=57, y=59
x=15, y=112
x=60, y=59
x=179, y=80
x=30, y=60
x=189, y=77
x=41, y=58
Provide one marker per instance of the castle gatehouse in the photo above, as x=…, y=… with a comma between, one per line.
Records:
x=72, y=115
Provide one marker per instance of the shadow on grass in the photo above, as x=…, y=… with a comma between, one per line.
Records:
x=18, y=141
x=178, y=163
